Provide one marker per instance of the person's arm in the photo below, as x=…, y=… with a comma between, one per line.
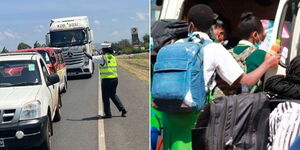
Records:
x=88, y=55
x=229, y=70
x=251, y=78
x=98, y=59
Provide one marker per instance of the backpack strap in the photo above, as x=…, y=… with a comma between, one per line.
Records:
x=246, y=53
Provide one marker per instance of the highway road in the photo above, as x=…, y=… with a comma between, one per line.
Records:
x=81, y=128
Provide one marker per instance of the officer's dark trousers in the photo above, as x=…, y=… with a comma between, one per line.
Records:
x=109, y=87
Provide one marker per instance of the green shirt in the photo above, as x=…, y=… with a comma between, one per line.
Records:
x=254, y=60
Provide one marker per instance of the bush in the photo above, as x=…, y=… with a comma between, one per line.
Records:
x=132, y=51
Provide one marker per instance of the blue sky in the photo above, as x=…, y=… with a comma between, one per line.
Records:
x=28, y=20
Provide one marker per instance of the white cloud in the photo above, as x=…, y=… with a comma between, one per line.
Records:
x=114, y=20
x=97, y=22
x=8, y=34
x=139, y=17
x=115, y=33
x=40, y=28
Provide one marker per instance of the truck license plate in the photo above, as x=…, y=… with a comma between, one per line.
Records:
x=2, y=143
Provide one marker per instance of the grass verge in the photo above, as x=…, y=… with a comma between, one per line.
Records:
x=136, y=64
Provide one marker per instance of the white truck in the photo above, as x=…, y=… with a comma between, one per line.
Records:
x=30, y=100
x=73, y=35
x=284, y=14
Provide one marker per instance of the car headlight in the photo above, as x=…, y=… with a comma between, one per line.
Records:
x=31, y=110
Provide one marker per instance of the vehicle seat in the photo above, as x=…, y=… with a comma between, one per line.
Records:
x=28, y=76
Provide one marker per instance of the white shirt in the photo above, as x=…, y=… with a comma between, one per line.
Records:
x=245, y=42
x=98, y=59
x=218, y=59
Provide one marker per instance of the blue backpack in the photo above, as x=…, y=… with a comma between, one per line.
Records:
x=178, y=77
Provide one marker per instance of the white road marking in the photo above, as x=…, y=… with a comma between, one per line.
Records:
x=101, y=135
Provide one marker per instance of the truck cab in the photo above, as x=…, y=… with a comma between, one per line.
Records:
x=30, y=101
x=73, y=35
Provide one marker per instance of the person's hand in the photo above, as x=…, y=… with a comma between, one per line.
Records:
x=273, y=60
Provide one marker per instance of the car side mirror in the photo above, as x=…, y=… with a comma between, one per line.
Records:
x=52, y=79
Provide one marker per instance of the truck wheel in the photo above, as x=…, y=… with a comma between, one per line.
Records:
x=57, y=116
x=46, y=144
x=89, y=75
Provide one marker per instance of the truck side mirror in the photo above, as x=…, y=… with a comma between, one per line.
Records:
x=47, y=37
x=91, y=36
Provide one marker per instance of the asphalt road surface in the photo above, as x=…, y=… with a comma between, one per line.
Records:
x=82, y=129
x=131, y=132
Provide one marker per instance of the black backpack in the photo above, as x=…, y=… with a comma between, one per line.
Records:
x=163, y=31
x=238, y=122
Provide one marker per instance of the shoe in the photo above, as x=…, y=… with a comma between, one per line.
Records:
x=106, y=116
x=123, y=113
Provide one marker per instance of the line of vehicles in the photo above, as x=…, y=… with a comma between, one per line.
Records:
x=32, y=80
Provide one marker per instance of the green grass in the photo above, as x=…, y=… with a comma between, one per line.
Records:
x=136, y=64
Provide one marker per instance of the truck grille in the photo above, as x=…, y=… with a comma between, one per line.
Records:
x=73, y=56
x=7, y=115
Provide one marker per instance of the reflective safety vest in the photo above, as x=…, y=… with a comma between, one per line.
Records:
x=109, y=69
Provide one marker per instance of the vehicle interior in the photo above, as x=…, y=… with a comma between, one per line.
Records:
x=18, y=74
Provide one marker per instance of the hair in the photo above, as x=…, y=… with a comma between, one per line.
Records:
x=222, y=22
x=202, y=16
x=249, y=23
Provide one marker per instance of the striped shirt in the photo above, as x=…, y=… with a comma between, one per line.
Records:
x=284, y=126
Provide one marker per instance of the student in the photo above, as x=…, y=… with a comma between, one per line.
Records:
x=220, y=29
x=178, y=126
x=252, y=34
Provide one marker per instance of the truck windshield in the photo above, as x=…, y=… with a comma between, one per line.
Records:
x=19, y=73
x=68, y=38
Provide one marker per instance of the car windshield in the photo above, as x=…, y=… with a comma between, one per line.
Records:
x=45, y=55
x=19, y=73
x=68, y=38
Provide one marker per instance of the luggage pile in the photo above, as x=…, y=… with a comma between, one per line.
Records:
x=289, y=85
x=266, y=120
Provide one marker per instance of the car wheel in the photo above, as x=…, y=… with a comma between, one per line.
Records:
x=46, y=144
x=57, y=116
x=93, y=68
x=65, y=86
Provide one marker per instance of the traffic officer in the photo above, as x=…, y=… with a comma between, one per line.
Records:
x=109, y=80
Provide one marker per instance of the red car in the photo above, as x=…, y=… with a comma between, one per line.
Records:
x=55, y=62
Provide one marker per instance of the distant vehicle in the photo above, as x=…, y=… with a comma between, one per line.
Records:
x=73, y=35
x=55, y=62
x=30, y=101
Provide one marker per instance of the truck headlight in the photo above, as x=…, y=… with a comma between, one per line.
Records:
x=31, y=110
x=86, y=60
